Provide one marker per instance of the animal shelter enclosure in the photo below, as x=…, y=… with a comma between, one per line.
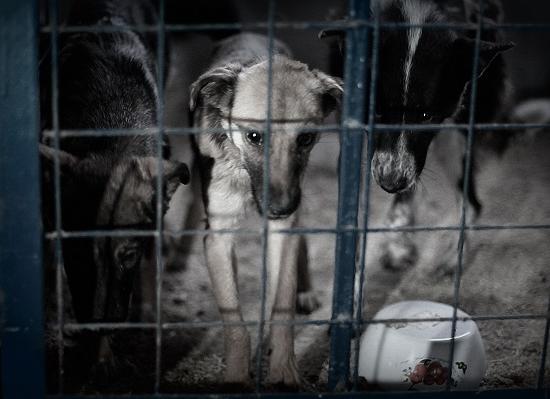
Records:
x=483, y=252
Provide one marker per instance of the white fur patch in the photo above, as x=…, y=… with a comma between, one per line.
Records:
x=235, y=135
x=415, y=13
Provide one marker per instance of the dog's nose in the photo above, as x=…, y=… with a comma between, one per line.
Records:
x=283, y=204
x=392, y=183
x=393, y=172
x=281, y=211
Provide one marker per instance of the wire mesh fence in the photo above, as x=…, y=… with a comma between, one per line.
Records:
x=351, y=233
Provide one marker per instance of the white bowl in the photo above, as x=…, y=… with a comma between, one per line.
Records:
x=415, y=356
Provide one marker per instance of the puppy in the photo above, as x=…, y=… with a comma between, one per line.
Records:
x=106, y=81
x=425, y=77
x=232, y=97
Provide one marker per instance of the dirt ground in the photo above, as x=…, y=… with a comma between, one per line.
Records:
x=506, y=272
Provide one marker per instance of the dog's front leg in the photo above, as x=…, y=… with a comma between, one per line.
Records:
x=219, y=250
x=399, y=250
x=449, y=151
x=283, y=281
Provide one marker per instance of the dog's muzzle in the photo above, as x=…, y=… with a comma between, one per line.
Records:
x=394, y=174
x=280, y=206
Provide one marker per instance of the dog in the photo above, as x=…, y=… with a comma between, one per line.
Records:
x=425, y=77
x=107, y=80
x=232, y=97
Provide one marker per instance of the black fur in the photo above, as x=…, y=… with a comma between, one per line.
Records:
x=107, y=80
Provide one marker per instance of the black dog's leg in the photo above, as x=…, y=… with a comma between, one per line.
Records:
x=399, y=250
x=473, y=199
x=452, y=162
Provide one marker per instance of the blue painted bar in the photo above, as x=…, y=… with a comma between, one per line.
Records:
x=491, y=394
x=465, y=187
x=20, y=222
x=159, y=214
x=542, y=367
x=271, y=7
x=351, y=147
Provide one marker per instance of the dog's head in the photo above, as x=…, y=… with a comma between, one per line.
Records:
x=424, y=77
x=236, y=99
x=121, y=196
x=130, y=202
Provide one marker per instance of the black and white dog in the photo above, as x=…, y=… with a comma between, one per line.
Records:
x=425, y=77
x=107, y=80
x=232, y=96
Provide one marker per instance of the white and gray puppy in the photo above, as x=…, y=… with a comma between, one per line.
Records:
x=232, y=97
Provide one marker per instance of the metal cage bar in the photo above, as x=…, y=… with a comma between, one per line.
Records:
x=312, y=322
x=502, y=394
x=254, y=232
x=544, y=354
x=161, y=42
x=58, y=244
x=366, y=195
x=351, y=148
x=22, y=340
x=266, y=196
x=317, y=25
x=465, y=188
x=335, y=129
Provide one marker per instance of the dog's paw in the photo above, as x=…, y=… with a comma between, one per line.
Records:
x=102, y=374
x=107, y=363
x=284, y=375
x=307, y=302
x=108, y=369
x=237, y=376
x=399, y=253
x=446, y=262
x=237, y=355
x=447, y=265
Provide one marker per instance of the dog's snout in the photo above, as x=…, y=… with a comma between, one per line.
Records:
x=393, y=183
x=279, y=212
x=283, y=204
x=394, y=173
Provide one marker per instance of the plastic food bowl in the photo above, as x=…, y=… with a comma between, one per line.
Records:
x=415, y=355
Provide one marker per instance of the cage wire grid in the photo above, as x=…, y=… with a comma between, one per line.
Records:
x=362, y=44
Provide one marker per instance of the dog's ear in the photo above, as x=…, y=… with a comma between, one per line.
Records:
x=173, y=174
x=67, y=162
x=338, y=34
x=215, y=87
x=129, y=197
x=68, y=165
x=331, y=91
x=488, y=51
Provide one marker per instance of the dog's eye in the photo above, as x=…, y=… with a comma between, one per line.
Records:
x=129, y=258
x=254, y=137
x=426, y=116
x=305, y=139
